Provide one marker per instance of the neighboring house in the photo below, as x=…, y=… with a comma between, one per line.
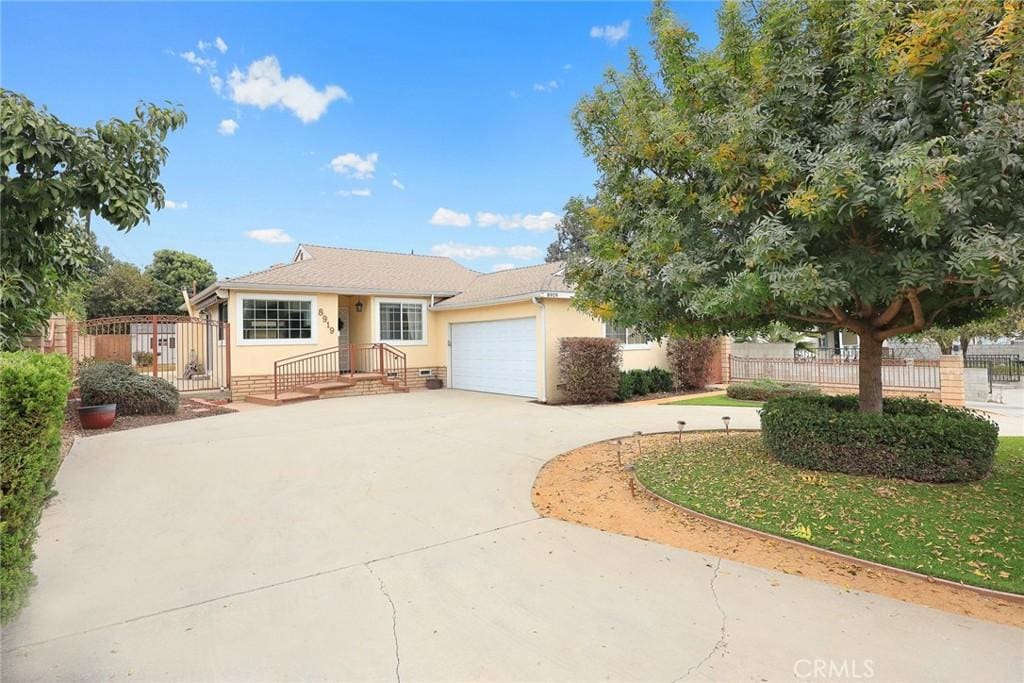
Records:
x=496, y=332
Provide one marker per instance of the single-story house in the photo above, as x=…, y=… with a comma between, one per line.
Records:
x=494, y=332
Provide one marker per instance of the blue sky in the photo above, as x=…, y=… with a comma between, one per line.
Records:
x=438, y=128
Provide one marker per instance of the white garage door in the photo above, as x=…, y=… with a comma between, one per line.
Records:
x=498, y=357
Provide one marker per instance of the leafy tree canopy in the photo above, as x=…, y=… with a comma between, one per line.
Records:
x=853, y=164
x=52, y=175
x=571, y=232
x=176, y=270
x=122, y=290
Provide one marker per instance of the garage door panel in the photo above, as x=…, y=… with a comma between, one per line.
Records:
x=496, y=356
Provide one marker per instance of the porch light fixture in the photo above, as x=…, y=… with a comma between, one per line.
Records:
x=359, y=307
x=725, y=419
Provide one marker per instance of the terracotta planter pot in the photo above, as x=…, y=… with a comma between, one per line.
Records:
x=434, y=383
x=97, y=417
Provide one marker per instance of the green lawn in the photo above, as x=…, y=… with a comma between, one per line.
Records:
x=972, y=533
x=722, y=400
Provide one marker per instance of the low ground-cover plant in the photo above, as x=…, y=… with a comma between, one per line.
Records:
x=764, y=389
x=964, y=532
x=143, y=358
x=589, y=368
x=33, y=393
x=642, y=382
x=134, y=393
x=690, y=361
x=913, y=439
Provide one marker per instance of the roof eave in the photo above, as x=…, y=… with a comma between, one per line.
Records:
x=497, y=301
x=272, y=287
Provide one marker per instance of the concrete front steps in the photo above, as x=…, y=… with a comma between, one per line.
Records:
x=343, y=385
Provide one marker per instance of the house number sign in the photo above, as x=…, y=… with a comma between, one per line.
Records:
x=327, y=321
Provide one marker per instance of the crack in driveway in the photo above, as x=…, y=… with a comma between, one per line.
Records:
x=722, y=643
x=394, y=621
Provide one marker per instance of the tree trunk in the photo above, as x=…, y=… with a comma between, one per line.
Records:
x=870, y=374
x=964, y=342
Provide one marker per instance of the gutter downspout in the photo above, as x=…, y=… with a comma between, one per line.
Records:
x=544, y=335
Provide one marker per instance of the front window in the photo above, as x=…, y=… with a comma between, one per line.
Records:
x=624, y=335
x=276, y=319
x=401, y=322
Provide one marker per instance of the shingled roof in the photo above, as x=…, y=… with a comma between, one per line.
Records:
x=359, y=271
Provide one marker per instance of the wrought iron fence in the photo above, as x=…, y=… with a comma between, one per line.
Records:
x=1001, y=368
x=896, y=373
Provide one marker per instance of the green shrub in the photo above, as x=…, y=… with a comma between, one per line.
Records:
x=643, y=382
x=589, y=368
x=764, y=389
x=33, y=395
x=913, y=439
x=134, y=394
x=143, y=358
x=690, y=360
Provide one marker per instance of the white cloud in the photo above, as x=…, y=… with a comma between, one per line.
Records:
x=514, y=94
x=172, y=205
x=199, y=64
x=203, y=45
x=445, y=216
x=550, y=86
x=227, y=127
x=264, y=86
x=470, y=252
x=395, y=182
x=269, y=236
x=361, y=192
x=355, y=166
x=566, y=67
x=535, y=222
x=217, y=83
x=612, y=34
x=522, y=252
x=497, y=267
x=221, y=46
x=463, y=251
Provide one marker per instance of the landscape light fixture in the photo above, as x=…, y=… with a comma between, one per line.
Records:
x=639, y=446
x=630, y=469
x=682, y=426
x=726, y=419
x=618, y=451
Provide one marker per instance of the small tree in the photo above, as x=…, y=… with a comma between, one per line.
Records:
x=173, y=271
x=123, y=290
x=855, y=165
x=52, y=175
x=1003, y=323
x=571, y=231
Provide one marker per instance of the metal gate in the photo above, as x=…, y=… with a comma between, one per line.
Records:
x=193, y=354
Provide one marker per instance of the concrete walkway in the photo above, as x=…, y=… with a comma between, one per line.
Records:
x=392, y=536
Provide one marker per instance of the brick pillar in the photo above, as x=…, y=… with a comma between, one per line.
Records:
x=951, y=380
x=726, y=352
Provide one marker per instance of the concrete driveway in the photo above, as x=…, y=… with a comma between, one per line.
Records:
x=392, y=536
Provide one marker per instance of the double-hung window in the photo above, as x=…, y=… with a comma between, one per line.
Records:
x=285, y=321
x=400, y=321
x=627, y=337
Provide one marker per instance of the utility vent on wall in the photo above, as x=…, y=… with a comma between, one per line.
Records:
x=426, y=373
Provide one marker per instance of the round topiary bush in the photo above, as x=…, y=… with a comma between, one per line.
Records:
x=912, y=439
x=134, y=394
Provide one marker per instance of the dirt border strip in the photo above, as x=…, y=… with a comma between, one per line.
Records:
x=568, y=496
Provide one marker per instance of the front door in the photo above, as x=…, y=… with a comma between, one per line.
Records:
x=343, y=340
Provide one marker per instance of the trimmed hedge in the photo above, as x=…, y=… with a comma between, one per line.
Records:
x=690, y=361
x=33, y=395
x=642, y=382
x=134, y=393
x=912, y=439
x=764, y=389
x=589, y=368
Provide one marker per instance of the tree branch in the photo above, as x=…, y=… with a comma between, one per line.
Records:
x=887, y=316
x=916, y=326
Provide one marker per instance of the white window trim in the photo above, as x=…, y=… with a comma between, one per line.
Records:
x=376, y=321
x=627, y=347
x=240, y=305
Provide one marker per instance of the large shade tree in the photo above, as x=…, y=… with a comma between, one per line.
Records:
x=53, y=176
x=851, y=165
x=172, y=271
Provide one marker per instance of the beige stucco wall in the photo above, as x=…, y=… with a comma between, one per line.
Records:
x=558, y=318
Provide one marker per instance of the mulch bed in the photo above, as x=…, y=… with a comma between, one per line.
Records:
x=188, y=409
x=588, y=486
